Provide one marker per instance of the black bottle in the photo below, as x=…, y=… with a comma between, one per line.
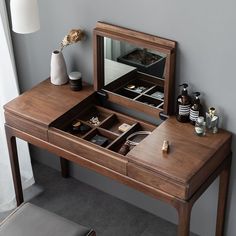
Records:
x=196, y=108
x=183, y=105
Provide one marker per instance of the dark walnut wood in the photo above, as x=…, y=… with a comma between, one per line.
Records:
x=46, y=102
x=43, y=117
x=149, y=42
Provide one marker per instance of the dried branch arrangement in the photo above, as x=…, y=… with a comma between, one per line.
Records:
x=74, y=36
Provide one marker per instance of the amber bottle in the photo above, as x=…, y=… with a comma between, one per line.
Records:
x=195, y=109
x=183, y=105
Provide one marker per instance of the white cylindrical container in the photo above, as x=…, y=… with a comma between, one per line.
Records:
x=58, y=69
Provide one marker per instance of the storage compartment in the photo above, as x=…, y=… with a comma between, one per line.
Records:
x=100, y=137
x=131, y=138
x=157, y=92
x=134, y=87
x=150, y=101
x=139, y=86
x=93, y=115
x=118, y=123
x=99, y=127
x=132, y=90
x=127, y=93
x=78, y=128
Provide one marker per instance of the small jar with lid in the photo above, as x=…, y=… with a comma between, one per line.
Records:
x=75, y=79
x=200, y=126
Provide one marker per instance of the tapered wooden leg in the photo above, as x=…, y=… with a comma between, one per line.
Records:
x=64, y=167
x=184, y=213
x=222, y=199
x=11, y=142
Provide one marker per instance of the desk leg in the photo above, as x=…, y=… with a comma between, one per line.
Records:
x=64, y=167
x=12, y=149
x=222, y=198
x=184, y=214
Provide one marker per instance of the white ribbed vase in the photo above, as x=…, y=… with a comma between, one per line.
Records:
x=58, y=69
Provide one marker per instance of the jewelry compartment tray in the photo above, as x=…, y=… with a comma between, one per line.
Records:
x=100, y=139
x=139, y=91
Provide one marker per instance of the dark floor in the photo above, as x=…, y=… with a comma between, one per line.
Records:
x=90, y=207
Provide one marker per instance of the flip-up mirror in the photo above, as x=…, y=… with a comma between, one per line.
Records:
x=135, y=69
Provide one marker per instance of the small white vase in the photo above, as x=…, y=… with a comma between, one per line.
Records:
x=58, y=69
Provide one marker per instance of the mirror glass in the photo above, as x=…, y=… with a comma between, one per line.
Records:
x=121, y=58
x=134, y=69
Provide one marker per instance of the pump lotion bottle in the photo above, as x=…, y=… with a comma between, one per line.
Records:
x=195, y=109
x=183, y=105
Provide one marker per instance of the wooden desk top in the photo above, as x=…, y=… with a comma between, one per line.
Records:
x=188, y=153
x=46, y=102
x=190, y=161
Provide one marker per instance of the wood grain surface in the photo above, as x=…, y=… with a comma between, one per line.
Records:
x=46, y=102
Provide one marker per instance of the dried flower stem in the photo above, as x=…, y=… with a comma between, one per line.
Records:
x=74, y=36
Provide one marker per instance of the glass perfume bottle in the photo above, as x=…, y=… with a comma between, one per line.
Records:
x=212, y=120
x=200, y=126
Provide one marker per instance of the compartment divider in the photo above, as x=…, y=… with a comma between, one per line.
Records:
x=87, y=134
x=158, y=99
x=140, y=95
x=108, y=122
x=94, y=111
x=110, y=133
x=149, y=89
x=86, y=123
x=102, y=132
x=144, y=98
x=130, y=90
x=156, y=88
x=122, y=137
x=128, y=93
x=110, y=117
x=159, y=106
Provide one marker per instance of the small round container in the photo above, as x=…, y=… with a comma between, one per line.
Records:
x=75, y=80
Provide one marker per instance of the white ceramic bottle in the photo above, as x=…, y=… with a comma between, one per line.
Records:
x=58, y=69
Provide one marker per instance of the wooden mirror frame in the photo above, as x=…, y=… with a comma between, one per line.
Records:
x=144, y=40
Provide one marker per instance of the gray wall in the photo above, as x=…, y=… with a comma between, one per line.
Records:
x=206, y=36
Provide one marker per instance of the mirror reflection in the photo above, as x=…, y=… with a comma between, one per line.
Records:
x=121, y=58
x=134, y=69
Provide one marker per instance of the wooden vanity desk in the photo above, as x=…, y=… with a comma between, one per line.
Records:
x=44, y=116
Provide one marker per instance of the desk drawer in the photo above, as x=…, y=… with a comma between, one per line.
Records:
x=157, y=181
x=26, y=126
x=87, y=150
x=93, y=132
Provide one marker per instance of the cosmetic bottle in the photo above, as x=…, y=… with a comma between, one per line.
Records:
x=195, y=109
x=200, y=126
x=183, y=105
x=212, y=120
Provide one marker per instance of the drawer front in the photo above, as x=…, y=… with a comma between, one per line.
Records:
x=87, y=150
x=157, y=181
x=26, y=126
